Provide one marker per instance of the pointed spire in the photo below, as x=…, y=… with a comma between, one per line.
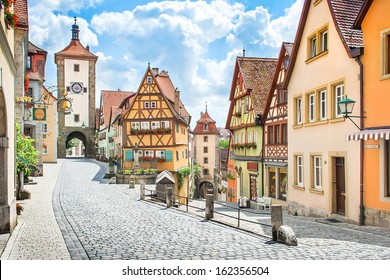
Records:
x=243, y=52
x=75, y=30
x=206, y=106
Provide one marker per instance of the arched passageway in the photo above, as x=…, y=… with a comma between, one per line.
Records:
x=76, y=144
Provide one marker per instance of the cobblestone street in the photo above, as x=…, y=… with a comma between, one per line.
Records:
x=101, y=221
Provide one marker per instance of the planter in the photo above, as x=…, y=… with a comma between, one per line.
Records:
x=111, y=168
x=125, y=178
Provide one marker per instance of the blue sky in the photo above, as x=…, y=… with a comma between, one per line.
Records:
x=197, y=42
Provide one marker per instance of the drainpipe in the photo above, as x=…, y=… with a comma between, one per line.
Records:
x=361, y=216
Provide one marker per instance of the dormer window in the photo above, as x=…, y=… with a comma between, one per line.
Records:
x=206, y=127
x=28, y=62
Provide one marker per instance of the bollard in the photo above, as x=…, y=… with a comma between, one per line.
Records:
x=276, y=220
x=168, y=192
x=142, y=191
x=209, y=211
x=131, y=184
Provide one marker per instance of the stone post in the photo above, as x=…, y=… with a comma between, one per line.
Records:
x=142, y=191
x=168, y=193
x=276, y=220
x=131, y=184
x=209, y=211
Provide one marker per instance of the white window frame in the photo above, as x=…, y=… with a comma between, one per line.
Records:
x=135, y=125
x=149, y=153
x=323, y=106
x=254, y=136
x=317, y=172
x=324, y=39
x=249, y=137
x=146, y=105
x=299, y=170
x=165, y=124
x=312, y=107
x=155, y=125
x=149, y=80
x=313, y=47
x=153, y=104
x=145, y=125
x=299, y=110
x=338, y=95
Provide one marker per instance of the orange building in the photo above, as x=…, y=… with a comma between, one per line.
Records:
x=374, y=21
x=155, y=126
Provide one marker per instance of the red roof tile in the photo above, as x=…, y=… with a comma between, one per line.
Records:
x=205, y=119
x=257, y=74
x=110, y=101
x=75, y=48
x=21, y=10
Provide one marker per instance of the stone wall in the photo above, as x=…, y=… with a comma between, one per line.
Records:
x=376, y=217
x=125, y=178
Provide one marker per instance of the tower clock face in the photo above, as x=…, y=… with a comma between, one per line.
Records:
x=76, y=87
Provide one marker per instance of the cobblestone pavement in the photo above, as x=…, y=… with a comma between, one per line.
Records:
x=37, y=235
x=109, y=222
x=101, y=221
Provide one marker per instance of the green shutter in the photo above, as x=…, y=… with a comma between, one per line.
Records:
x=129, y=155
x=168, y=156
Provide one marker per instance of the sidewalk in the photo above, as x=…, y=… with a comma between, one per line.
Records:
x=37, y=235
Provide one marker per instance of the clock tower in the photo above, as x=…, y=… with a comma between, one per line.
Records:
x=76, y=79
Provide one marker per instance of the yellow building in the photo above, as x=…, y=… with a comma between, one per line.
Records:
x=374, y=21
x=155, y=126
x=323, y=168
x=49, y=128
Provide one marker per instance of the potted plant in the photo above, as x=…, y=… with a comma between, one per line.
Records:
x=19, y=208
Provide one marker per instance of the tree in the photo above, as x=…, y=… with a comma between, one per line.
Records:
x=223, y=144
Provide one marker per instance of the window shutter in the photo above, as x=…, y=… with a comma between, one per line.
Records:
x=168, y=156
x=129, y=155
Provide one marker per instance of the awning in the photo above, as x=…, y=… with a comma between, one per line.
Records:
x=366, y=134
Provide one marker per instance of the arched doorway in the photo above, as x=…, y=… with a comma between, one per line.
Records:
x=202, y=188
x=76, y=144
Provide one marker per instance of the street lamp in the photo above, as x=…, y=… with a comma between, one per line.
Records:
x=83, y=125
x=346, y=107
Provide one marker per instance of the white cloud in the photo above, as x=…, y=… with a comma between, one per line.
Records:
x=61, y=6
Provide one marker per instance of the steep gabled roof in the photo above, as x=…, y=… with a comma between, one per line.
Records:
x=110, y=101
x=344, y=13
x=35, y=49
x=206, y=119
x=257, y=76
x=285, y=48
x=75, y=48
x=37, y=71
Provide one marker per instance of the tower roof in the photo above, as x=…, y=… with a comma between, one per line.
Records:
x=75, y=48
x=206, y=125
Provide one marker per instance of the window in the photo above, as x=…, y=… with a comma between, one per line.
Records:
x=385, y=52
x=206, y=160
x=277, y=134
x=323, y=104
x=205, y=138
x=312, y=106
x=249, y=137
x=317, y=43
x=177, y=155
x=238, y=108
x=85, y=89
x=149, y=80
x=299, y=170
x=155, y=125
x=135, y=125
x=284, y=133
x=28, y=62
x=205, y=127
x=149, y=153
x=177, y=126
x=270, y=135
x=145, y=126
x=298, y=111
x=76, y=67
x=30, y=93
x=160, y=154
x=317, y=172
x=205, y=150
x=286, y=62
x=255, y=136
x=313, y=47
x=205, y=171
x=44, y=128
x=146, y=105
x=246, y=103
x=76, y=118
x=165, y=124
x=153, y=104
x=253, y=187
x=324, y=40
x=338, y=95
x=272, y=182
x=282, y=96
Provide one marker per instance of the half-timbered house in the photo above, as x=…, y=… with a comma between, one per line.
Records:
x=275, y=126
x=155, y=125
x=248, y=96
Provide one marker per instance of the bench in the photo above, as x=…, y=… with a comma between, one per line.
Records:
x=264, y=201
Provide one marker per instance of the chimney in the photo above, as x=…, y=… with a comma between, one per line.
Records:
x=155, y=71
x=87, y=47
x=177, y=100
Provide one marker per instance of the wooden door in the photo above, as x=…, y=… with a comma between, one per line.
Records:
x=340, y=186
